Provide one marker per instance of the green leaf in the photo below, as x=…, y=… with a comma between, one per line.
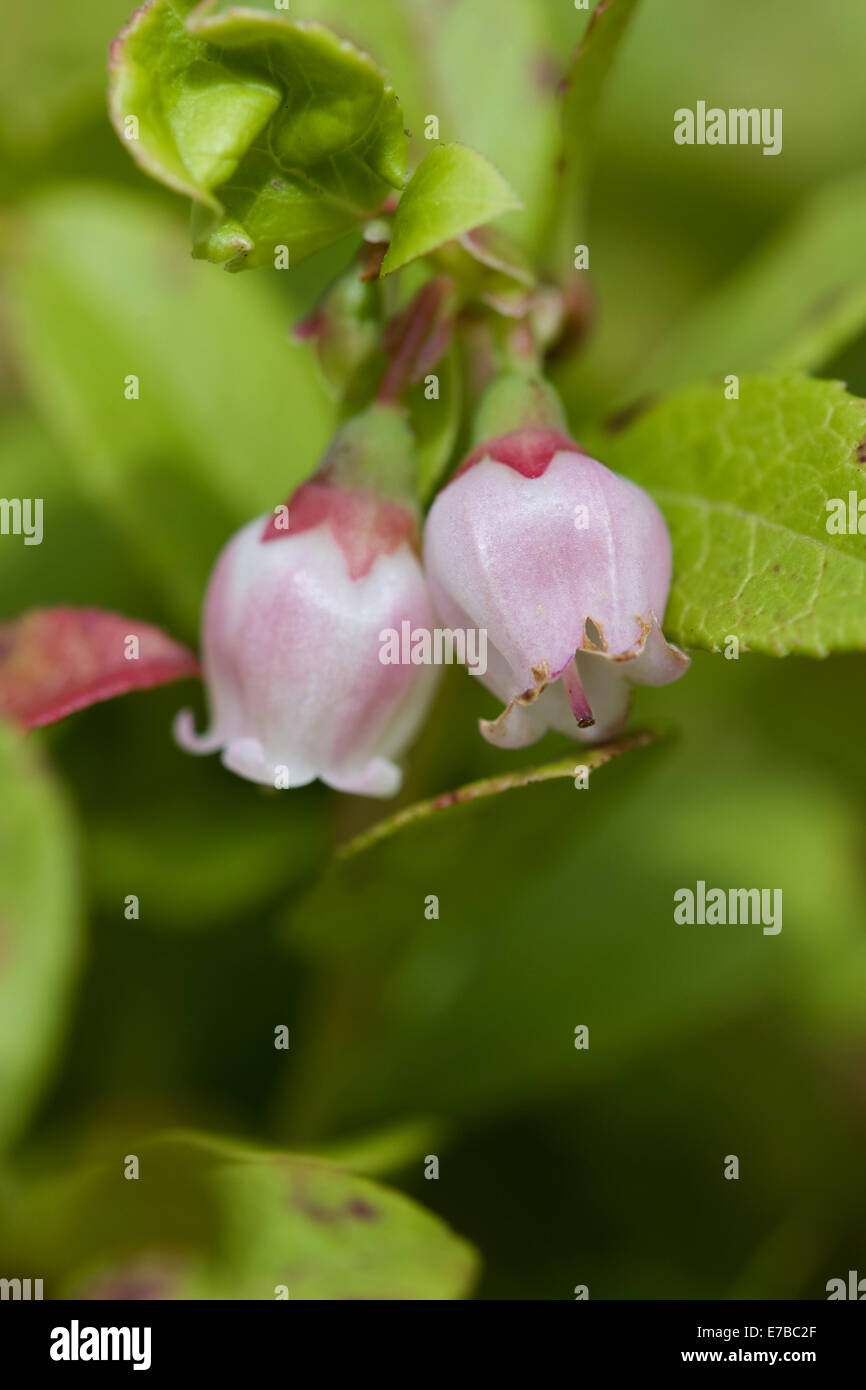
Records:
x=230, y=414
x=744, y=485
x=39, y=940
x=452, y=191
x=791, y=306
x=213, y=1219
x=281, y=132
x=584, y=84
x=389, y=1150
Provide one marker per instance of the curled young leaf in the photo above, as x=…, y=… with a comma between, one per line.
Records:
x=283, y=134
x=54, y=661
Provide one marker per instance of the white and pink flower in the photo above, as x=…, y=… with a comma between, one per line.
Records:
x=567, y=566
x=291, y=642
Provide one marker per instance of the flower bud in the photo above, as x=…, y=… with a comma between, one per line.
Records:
x=291, y=642
x=567, y=566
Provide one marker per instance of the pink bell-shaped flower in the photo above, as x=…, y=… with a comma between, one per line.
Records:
x=291, y=642
x=567, y=567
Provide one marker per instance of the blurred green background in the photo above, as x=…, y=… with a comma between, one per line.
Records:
x=455, y=1037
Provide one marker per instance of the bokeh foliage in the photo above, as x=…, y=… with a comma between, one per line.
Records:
x=563, y=1167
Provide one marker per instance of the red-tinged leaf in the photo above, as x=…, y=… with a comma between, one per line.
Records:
x=57, y=660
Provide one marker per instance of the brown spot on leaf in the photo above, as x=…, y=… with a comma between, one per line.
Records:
x=362, y=1210
x=144, y=1278
x=315, y=1211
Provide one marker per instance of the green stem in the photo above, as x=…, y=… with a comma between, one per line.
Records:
x=589, y=757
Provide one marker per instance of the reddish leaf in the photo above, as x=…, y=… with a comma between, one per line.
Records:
x=56, y=660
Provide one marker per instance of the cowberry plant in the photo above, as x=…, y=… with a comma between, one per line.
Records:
x=418, y=441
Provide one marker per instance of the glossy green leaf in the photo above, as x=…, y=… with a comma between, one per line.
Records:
x=213, y=1219
x=39, y=939
x=230, y=414
x=793, y=304
x=281, y=132
x=452, y=191
x=745, y=485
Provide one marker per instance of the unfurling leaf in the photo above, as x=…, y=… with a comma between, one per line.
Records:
x=57, y=660
x=452, y=191
x=283, y=134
